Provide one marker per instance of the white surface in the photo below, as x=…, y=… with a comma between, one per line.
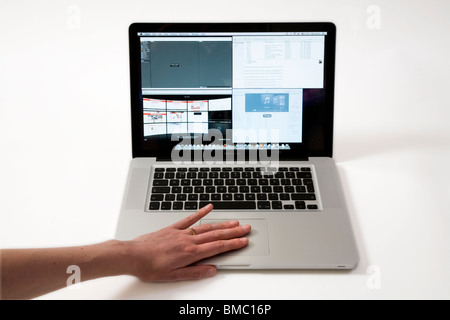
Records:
x=65, y=139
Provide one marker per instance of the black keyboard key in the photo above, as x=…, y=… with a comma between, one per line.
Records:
x=278, y=189
x=303, y=196
x=207, y=182
x=191, y=205
x=160, y=189
x=181, y=197
x=244, y=189
x=154, y=205
x=188, y=189
x=158, y=175
x=263, y=205
x=263, y=182
x=192, y=197
x=238, y=197
x=191, y=175
x=285, y=196
x=255, y=189
x=160, y=183
x=250, y=196
x=157, y=197
x=176, y=189
x=174, y=182
x=289, y=189
x=159, y=169
x=233, y=189
x=273, y=196
x=230, y=182
x=169, y=197
x=274, y=182
x=216, y=196
x=230, y=205
x=289, y=206
x=180, y=175
x=227, y=196
x=177, y=206
x=261, y=196
x=171, y=169
x=166, y=205
x=305, y=169
x=199, y=189
x=204, y=196
x=312, y=206
x=277, y=205
x=300, y=205
x=304, y=175
x=235, y=175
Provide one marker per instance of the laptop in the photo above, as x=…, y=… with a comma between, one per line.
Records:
x=239, y=115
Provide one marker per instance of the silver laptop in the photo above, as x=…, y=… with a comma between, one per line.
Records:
x=239, y=115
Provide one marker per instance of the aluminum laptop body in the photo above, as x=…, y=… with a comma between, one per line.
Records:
x=239, y=115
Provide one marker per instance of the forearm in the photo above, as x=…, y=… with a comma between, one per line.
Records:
x=28, y=273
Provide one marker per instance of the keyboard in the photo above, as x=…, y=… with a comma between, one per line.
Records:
x=254, y=188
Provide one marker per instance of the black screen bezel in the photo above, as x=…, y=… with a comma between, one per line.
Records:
x=318, y=107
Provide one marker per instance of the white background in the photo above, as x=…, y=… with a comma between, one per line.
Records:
x=65, y=138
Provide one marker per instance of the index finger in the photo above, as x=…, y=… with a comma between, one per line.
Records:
x=193, y=218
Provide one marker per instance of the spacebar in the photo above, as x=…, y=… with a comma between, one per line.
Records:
x=224, y=205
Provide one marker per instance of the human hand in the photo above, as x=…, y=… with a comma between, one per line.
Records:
x=168, y=254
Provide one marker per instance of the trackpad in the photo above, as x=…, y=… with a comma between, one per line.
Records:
x=258, y=237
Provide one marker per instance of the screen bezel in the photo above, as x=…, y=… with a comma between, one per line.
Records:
x=317, y=121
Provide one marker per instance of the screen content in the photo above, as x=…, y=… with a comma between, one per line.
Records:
x=239, y=90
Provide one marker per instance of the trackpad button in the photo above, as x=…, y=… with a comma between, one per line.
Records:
x=258, y=237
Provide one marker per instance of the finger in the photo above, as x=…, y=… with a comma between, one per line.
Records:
x=222, y=234
x=193, y=218
x=215, y=226
x=210, y=249
x=193, y=273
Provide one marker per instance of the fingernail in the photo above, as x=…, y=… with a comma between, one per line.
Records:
x=234, y=223
x=244, y=240
x=246, y=227
x=211, y=272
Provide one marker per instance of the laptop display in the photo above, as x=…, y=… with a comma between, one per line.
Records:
x=231, y=90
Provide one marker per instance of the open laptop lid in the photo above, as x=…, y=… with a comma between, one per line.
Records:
x=232, y=88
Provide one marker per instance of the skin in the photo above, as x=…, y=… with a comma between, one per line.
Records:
x=162, y=256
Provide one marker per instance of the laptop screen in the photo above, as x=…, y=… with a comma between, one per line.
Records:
x=221, y=89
